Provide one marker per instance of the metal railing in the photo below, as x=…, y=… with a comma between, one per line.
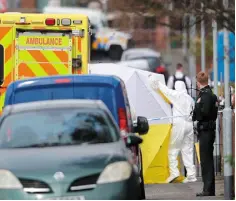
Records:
x=218, y=150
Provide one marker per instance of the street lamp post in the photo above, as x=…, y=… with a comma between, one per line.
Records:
x=203, y=54
x=215, y=67
x=168, y=58
x=184, y=39
x=227, y=120
x=192, y=56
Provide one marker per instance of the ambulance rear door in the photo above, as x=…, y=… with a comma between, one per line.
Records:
x=43, y=53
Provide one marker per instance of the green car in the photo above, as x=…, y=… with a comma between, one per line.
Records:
x=65, y=149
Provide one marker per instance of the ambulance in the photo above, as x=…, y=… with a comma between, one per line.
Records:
x=33, y=45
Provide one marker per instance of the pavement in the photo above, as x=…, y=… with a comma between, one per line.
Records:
x=179, y=191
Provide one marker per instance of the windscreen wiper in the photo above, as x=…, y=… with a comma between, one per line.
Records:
x=44, y=145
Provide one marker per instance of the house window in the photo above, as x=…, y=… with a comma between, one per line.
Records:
x=13, y=3
x=150, y=22
x=69, y=3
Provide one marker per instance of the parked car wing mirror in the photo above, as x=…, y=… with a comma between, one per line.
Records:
x=133, y=140
x=142, y=126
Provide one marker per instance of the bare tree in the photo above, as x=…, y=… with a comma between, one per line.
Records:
x=202, y=9
x=212, y=9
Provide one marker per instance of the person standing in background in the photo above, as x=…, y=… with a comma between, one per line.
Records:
x=179, y=76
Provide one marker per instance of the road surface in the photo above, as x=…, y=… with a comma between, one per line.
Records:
x=182, y=191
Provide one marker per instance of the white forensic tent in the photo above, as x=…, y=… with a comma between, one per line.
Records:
x=144, y=100
x=149, y=104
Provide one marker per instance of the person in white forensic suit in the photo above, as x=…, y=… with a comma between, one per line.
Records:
x=182, y=136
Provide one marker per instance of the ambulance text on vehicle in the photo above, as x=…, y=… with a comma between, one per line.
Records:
x=42, y=45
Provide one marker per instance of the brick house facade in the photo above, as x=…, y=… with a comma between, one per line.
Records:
x=32, y=4
x=23, y=6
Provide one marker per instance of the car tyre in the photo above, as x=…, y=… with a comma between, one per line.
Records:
x=115, y=52
x=142, y=187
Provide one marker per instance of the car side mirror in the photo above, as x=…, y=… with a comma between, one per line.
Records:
x=133, y=140
x=142, y=126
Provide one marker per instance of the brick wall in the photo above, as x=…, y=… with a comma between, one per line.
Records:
x=28, y=4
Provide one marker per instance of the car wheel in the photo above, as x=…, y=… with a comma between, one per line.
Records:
x=115, y=52
x=142, y=187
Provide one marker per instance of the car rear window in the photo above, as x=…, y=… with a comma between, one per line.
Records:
x=80, y=91
x=42, y=93
x=100, y=91
x=57, y=127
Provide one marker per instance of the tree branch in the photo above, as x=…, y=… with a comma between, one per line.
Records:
x=159, y=8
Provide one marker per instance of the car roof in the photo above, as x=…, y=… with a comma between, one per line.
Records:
x=142, y=52
x=55, y=104
x=141, y=64
x=43, y=81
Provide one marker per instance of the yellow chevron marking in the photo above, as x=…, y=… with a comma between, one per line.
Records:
x=35, y=67
x=59, y=66
x=7, y=39
x=2, y=99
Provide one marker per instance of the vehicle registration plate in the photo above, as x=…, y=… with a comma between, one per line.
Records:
x=68, y=198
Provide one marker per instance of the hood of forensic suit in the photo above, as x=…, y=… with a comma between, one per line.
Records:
x=180, y=86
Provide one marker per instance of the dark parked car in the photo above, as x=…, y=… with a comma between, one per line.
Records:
x=65, y=149
x=110, y=89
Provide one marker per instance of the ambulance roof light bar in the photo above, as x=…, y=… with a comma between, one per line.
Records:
x=77, y=21
x=50, y=21
x=12, y=12
x=22, y=21
x=66, y=22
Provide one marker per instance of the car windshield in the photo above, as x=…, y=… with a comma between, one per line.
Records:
x=58, y=127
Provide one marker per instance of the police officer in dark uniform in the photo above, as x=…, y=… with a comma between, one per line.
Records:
x=205, y=113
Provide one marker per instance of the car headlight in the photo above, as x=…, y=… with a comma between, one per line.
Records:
x=115, y=172
x=9, y=180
